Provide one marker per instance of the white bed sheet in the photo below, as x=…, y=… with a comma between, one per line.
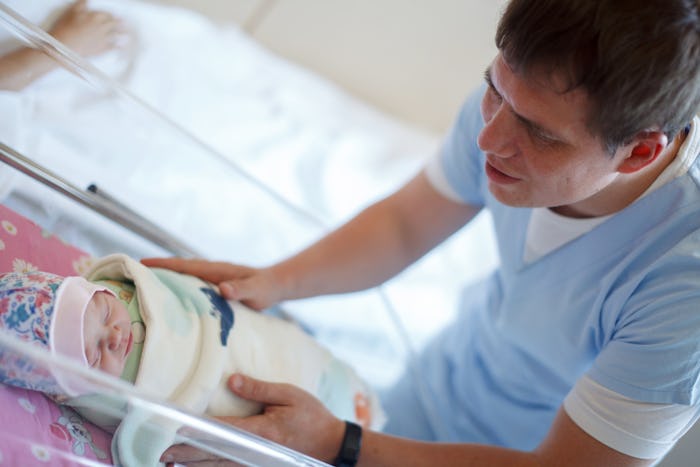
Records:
x=300, y=135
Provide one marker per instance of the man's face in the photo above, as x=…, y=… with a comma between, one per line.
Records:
x=107, y=332
x=539, y=152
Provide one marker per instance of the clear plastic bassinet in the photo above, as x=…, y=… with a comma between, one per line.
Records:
x=144, y=171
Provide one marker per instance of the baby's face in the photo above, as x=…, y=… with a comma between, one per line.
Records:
x=107, y=329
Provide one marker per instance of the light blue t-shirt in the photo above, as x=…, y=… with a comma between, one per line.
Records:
x=621, y=304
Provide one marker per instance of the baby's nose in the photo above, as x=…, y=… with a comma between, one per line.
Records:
x=115, y=337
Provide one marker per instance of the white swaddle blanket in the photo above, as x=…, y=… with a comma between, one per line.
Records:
x=195, y=340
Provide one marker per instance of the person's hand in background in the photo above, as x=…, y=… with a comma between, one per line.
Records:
x=87, y=32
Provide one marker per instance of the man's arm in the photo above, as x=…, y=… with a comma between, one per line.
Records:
x=377, y=244
x=565, y=445
x=372, y=247
x=296, y=419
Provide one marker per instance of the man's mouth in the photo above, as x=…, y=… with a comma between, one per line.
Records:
x=497, y=176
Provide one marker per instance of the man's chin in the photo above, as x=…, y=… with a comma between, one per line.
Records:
x=510, y=197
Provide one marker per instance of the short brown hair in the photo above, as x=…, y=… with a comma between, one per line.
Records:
x=638, y=60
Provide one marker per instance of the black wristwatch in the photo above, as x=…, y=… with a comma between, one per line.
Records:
x=350, y=447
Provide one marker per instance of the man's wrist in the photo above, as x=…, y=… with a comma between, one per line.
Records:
x=349, y=451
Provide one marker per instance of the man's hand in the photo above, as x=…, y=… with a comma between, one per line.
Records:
x=291, y=417
x=254, y=287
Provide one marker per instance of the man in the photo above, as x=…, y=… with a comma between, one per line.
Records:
x=582, y=348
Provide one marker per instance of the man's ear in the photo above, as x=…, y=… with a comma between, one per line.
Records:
x=642, y=151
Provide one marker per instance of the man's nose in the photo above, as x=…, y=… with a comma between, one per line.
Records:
x=496, y=136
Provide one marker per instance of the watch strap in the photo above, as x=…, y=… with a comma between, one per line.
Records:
x=349, y=451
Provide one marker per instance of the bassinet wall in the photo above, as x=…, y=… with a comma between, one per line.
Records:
x=272, y=157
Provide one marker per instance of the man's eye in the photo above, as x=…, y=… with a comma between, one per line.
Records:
x=494, y=95
x=541, y=138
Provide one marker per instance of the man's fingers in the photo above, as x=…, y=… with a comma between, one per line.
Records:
x=261, y=391
x=183, y=453
x=238, y=289
x=229, y=291
x=189, y=455
x=256, y=424
x=236, y=282
x=214, y=272
x=174, y=263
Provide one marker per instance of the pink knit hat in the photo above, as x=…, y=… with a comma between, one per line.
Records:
x=46, y=310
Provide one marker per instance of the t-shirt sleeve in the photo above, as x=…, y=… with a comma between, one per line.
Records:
x=456, y=171
x=652, y=351
x=638, y=429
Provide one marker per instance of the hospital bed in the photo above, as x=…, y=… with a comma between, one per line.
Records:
x=195, y=141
